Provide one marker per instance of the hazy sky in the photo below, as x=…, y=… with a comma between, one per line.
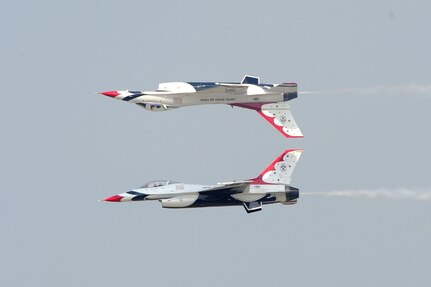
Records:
x=63, y=147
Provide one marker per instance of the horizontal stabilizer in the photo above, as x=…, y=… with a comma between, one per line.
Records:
x=289, y=90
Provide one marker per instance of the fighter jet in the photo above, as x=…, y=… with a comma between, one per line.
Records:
x=269, y=100
x=271, y=186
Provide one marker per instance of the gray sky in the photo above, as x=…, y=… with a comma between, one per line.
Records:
x=63, y=147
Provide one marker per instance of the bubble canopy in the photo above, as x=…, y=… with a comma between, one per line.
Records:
x=157, y=183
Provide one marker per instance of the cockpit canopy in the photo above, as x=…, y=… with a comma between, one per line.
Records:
x=157, y=183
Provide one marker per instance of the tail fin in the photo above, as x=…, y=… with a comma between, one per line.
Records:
x=280, y=171
x=279, y=115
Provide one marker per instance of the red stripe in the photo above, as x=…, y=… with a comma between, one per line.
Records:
x=115, y=198
x=111, y=94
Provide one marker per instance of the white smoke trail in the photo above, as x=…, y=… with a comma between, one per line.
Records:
x=394, y=194
x=408, y=89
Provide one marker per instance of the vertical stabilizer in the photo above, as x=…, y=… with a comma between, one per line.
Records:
x=280, y=171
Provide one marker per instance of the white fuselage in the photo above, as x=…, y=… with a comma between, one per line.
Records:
x=271, y=186
x=177, y=100
x=181, y=94
x=270, y=100
x=250, y=193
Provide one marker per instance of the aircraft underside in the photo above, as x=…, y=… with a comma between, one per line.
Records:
x=211, y=200
x=230, y=201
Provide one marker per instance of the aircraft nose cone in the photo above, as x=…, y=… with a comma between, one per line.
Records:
x=115, y=198
x=111, y=94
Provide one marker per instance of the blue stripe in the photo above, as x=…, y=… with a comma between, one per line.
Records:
x=199, y=86
x=138, y=196
x=131, y=97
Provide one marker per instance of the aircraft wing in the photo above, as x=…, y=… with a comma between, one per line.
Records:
x=236, y=186
x=218, y=88
x=233, y=85
x=225, y=89
x=234, y=189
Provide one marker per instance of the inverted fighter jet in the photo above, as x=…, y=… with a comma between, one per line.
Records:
x=269, y=100
x=271, y=186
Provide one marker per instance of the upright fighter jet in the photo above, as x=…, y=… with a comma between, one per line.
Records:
x=271, y=186
x=269, y=100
